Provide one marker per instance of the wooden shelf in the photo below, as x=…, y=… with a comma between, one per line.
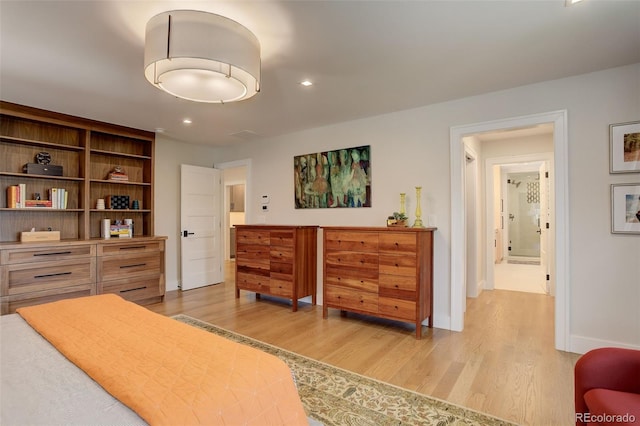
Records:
x=43, y=144
x=88, y=151
x=32, y=176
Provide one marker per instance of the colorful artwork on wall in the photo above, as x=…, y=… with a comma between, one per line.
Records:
x=333, y=179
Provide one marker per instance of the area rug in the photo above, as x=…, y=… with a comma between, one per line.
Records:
x=335, y=396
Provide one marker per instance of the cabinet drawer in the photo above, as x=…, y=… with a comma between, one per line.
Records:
x=352, y=259
x=281, y=268
x=252, y=237
x=29, y=277
x=281, y=238
x=251, y=282
x=254, y=256
x=351, y=241
x=398, y=242
x=279, y=287
x=400, y=286
x=139, y=265
x=133, y=289
x=281, y=254
x=397, y=265
x=360, y=279
x=129, y=248
x=46, y=254
x=11, y=303
x=398, y=309
x=343, y=298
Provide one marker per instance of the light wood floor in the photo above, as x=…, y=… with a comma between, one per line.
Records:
x=503, y=364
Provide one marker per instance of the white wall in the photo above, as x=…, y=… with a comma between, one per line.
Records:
x=169, y=155
x=411, y=148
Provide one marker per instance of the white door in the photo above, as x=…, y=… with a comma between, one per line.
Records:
x=545, y=219
x=201, y=224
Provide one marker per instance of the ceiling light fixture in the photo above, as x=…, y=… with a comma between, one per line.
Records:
x=568, y=3
x=201, y=57
x=306, y=83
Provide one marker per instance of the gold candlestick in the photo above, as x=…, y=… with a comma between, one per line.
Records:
x=402, y=200
x=418, y=222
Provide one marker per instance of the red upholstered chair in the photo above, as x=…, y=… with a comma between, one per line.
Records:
x=607, y=386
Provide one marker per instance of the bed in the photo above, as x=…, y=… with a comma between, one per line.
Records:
x=124, y=364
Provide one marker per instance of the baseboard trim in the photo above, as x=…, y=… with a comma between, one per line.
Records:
x=582, y=344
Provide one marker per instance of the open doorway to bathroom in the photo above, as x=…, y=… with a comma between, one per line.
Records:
x=503, y=152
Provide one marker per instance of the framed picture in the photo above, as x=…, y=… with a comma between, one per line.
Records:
x=624, y=147
x=333, y=179
x=625, y=208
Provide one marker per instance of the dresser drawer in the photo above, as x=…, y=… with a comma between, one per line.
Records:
x=29, y=277
x=352, y=259
x=359, y=279
x=398, y=286
x=46, y=254
x=280, y=287
x=351, y=241
x=348, y=299
x=253, y=256
x=281, y=238
x=253, y=237
x=392, y=264
x=129, y=248
x=11, y=303
x=398, y=242
x=132, y=266
x=281, y=254
x=251, y=282
x=398, y=309
x=133, y=289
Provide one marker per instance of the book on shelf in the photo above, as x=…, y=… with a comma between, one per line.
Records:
x=38, y=204
x=12, y=196
x=59, y=198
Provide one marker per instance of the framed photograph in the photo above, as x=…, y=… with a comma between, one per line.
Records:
x=333, y=179
x=624, y=147
x=625, y=208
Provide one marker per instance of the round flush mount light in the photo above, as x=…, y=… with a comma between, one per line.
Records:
x=201, y=57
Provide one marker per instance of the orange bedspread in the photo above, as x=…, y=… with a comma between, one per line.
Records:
x=166, y=371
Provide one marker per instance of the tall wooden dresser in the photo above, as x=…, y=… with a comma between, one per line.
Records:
x=383, y=272
x=279, y=260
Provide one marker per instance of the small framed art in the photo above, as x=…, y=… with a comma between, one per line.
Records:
x=625, y=208
x=624, y=147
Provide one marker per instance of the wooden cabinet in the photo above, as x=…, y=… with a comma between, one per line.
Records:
x=34, y=273
x=278, y=260
x=384, y=272
x=132, y=269
x=87, y=151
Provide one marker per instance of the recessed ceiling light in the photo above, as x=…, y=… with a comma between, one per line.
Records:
x=159, y=130
x=568, y=3
x=306, y=83
x=187, y=121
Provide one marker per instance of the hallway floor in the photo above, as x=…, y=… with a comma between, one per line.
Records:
x=520, y=277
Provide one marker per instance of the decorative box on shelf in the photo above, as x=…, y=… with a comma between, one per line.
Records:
x=42, y=169
x=117, y=202
x=38, y=236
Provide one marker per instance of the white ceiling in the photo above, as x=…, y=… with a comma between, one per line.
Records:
x=365, y=57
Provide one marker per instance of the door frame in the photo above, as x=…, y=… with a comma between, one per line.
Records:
x=561, y=198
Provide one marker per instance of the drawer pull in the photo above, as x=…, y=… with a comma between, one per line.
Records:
x=52, y=253
x=132, y=266
x=132, y=247
x=52, y=275
x=133, y=289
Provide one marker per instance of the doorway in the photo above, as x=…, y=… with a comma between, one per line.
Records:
x=558, y=222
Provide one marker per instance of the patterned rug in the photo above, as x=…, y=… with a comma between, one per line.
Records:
x=335, y=397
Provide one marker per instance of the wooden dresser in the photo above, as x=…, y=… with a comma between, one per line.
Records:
x=278, y=260
x=384, y=272
x=34, y=273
